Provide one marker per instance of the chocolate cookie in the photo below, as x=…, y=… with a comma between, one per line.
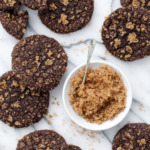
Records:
x=11, y=6
x=64, y=16
x=19, y=106
x=126, y=33
x=132, y=137
x=16, y=24
x=136, y=3
x=73, y=147
x=42, y=140
x=34, y=4
x=39, y=62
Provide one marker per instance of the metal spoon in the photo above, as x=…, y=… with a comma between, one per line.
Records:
x=90, y=52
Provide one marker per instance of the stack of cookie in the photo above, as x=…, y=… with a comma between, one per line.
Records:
x=126, y=32
x=44, y=140
x=38, y=64
x=63, y=16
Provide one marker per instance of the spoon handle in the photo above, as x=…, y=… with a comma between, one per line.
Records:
x=90, y=52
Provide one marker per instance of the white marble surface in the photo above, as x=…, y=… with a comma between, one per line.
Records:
x=76, y=45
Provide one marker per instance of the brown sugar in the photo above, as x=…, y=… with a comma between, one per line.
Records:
x=101, y=98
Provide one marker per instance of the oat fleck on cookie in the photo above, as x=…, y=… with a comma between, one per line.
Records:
x=132, y=38
x=63, y=19
x=135, y=3
x=65, y=2
x=52, y=6
x=49, y=54
x=130, y=25
x=117, y=42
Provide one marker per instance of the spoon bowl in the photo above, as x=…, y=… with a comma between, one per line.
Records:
x=79, y=119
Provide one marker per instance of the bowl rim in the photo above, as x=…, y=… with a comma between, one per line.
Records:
x=129, y=91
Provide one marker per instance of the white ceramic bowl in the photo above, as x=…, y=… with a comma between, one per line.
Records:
x=79, y=119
